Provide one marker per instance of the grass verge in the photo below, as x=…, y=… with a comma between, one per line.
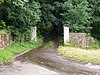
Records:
x=92, y=56
x=49, y=44
x=8, y=53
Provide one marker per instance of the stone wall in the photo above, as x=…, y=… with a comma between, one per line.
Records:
x=81, y=39
x=5, y=39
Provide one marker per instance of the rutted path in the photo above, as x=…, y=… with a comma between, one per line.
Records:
x=47, y=62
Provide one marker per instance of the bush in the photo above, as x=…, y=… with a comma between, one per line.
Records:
x=8, y=53
x=20, y=16
x=49, y=44
x=94, y=46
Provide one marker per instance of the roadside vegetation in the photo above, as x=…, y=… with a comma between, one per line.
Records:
x=49, y=44
x=94, y=46
x=8, y=53
x=74, y=52
x=18, y=17
x=3, y=32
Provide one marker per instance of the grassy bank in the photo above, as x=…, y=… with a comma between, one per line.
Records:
x=8, y=53
x=79, y=54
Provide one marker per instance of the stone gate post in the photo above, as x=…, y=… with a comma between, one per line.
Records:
x=34, y=33
x=66, y=34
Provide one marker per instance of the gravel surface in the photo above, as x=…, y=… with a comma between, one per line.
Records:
x=47, y=62
x=25, y=68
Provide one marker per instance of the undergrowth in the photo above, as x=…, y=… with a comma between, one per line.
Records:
x=9, y=52
x=49, y=44
x=94, y=46
x=3, y=32
x=73, y=51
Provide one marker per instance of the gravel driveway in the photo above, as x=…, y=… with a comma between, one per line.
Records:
x=25, y=68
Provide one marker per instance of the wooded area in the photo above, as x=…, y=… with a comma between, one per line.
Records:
x=18, y=16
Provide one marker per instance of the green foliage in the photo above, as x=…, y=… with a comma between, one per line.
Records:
x=20, y=16
x=50, y=18
x=5, y=56
x=17, y=47
x=81, y=55
x=1, y=1
x=71, y=44
x=3, y=32
x=49, y=44
x=95, y=5
x=61, y=41
x=8, y=53
x=94, y=46
x=77, y=15
x=45, y=28
x=2, y=24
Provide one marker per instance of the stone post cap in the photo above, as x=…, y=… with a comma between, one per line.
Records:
x=66, y=25
x=34, y=26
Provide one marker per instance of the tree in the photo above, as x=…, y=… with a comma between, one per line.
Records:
x=1, y=1
x=77, y=15
x=95, y=5
x=51, y=18
x=20, y=16
x=2, y=23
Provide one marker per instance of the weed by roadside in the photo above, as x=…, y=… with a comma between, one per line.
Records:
x=94, y=46
x=6, y=55
x=49, y=44
x=72, y=50
x=80, y=54
x=9, y=52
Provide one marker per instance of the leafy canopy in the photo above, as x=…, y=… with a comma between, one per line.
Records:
x=77, y=15
x=20, y=16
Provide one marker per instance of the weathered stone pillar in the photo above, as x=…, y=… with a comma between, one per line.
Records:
x=5, y=40
x=34, y=33
x=66, y=34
